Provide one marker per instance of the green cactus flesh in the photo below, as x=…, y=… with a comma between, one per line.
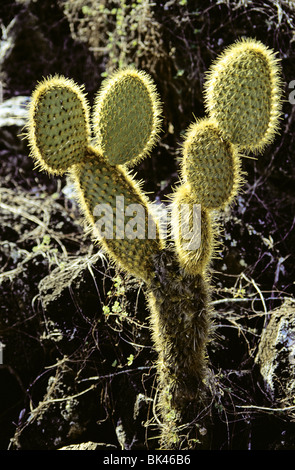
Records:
x=58, y=128
x=126, y=116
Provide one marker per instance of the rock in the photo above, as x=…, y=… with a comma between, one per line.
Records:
x=89, y=446
x=36, y=43
x=24, y=50
x=14, y=112
x=13, y=118
x=276, y=354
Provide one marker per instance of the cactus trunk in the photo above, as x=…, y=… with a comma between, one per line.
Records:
x=180, y=319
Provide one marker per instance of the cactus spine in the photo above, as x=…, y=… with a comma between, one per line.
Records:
x=243, y=112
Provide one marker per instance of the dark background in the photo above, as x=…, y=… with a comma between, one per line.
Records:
x=66, y=324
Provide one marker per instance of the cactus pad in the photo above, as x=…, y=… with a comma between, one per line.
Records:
x=242, y=93
x=99, y=185
x=210, y=165
x=58, y=127
x=126, y=116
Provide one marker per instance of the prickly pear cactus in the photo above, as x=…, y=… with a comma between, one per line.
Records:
x=194, y=230
x=242, y=97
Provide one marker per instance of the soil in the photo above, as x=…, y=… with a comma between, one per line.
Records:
x=78, y=363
